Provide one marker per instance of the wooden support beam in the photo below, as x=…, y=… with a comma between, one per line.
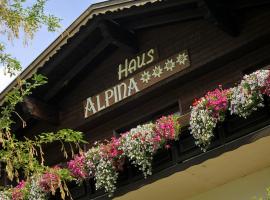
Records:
x=90, y=56
x=165, y=18
x=70, y=46
x=113, y=33
x=184, y=120
x=40, y=110
x=221, y=14
x=120, y=37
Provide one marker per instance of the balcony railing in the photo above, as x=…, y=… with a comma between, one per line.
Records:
x=229, y=135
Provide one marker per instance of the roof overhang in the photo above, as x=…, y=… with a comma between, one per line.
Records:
x=91, y=12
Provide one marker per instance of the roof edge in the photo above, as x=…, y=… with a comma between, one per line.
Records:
x=89, y=13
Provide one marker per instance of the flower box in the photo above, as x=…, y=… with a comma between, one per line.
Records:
x=163, y=158
x=78, y=191
x=236, y=127
x=186, y=146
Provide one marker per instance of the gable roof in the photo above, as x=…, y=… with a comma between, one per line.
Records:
x=92, y=11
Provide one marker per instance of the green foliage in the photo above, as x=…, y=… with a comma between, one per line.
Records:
x=27, y=155
x=17, y=95
x=22, y=16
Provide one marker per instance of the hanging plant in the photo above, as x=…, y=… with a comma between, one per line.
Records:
x=241, y=100
x=105, y=160
x=139, y=146
x=77, y=167
x=206, y=113
x=167, y=128
x=35, y=191
x=103, y=163
x=248, y=95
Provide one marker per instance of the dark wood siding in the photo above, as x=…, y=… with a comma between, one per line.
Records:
x=216, y=58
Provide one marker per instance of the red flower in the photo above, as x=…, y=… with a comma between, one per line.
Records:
x=196, y=102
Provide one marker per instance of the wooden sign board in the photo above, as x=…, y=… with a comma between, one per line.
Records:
x=136, y=83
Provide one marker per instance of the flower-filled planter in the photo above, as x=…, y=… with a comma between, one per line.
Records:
x=78, y=191
x=240, y=101
x=206, y=113
x=236, y=126
x=218, y=117
x=133, y=151
x=163, y=158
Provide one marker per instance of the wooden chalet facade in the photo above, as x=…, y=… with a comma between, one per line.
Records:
x=95, y=85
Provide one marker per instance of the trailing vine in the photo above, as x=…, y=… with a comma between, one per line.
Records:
x=26, y=157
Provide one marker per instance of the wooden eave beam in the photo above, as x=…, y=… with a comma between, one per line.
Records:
x=220, y=13
x=166, y=18
x=76, y=69
x=112, y=33
x=120, y=37
x=40, y=110
x=70, y=46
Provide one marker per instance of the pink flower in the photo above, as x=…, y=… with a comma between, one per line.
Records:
x=165, y=129
x=49, y=182
x=217, y=101
x=77, y=167
x=111, y=149
x=21, y=184
x=17, y=192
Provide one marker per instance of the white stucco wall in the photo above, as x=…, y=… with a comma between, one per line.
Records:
x=244, y=188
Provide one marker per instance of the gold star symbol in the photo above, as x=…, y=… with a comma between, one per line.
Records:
x=157, y=71
x=182, y=58
x=169, y=65
x=145, y=77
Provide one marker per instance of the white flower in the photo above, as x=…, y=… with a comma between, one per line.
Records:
x=202, y=125
x=247, y=97
x=106, y=176
x=35, y=192
x=139, y=147
x=4, y=196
